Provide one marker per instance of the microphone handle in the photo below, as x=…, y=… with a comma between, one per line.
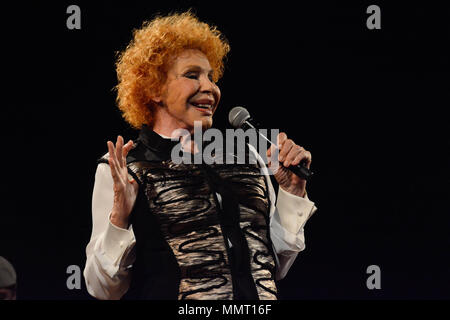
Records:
x=301, y=171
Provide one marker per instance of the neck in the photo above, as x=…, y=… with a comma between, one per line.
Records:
x=187, y=142
x=165, y=124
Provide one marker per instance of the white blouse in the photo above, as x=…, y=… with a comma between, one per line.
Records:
x=110, y=251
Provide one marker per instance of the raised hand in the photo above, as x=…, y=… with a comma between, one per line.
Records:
x=125, y=190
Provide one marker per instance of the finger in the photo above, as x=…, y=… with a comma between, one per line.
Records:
x=112, y=168
x=127, y=148
x=110, y=147
x=285, y=149
x=119, y=146
x=303, y=156
x=272, y=153
x=281, y=138
x=295, y=150
x=111, y=151
x=271, y=150
x=112, y=161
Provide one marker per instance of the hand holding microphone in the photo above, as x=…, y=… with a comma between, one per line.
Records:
x=295, y=160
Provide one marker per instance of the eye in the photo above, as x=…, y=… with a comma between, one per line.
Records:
x=191, y=75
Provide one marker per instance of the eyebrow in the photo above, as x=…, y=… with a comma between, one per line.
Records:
x=197, y=68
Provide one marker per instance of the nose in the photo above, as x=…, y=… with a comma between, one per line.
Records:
x=206, y=85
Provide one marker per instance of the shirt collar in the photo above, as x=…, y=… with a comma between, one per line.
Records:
x=156, y=142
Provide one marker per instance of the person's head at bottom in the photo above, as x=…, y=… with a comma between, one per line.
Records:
x=167, y=75
x=8, y=280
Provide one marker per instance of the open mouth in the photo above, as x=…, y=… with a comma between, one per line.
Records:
x=203, y=107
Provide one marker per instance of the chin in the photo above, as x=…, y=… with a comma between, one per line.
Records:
x=206, y=123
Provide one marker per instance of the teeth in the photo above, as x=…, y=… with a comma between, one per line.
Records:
x=203, y=105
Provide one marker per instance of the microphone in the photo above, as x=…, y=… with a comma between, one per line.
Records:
x=239, y=117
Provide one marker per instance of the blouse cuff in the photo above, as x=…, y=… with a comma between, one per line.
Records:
x=293, y=210
x=116, y=241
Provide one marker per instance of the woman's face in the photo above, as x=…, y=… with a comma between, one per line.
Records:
x=188, y=95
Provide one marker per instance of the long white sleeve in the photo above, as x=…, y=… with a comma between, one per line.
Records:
x=110, y=249
x=287, y=228
x=287, y=221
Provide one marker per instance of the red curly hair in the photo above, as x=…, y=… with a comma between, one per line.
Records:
x=142, y=67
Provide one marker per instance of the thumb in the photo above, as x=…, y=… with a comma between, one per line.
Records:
x=271, y=149
x=134, y=184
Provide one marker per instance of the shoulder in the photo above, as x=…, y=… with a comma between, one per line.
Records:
x=103, y=159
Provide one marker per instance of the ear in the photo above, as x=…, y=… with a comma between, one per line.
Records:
x=157, y=100
x=157, y=97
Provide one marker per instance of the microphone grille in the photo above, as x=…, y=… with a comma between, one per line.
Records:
x=237, y=116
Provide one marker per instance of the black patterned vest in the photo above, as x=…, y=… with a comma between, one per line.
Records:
x=202, y=231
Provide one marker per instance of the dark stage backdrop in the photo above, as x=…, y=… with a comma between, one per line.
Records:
x=371, y=106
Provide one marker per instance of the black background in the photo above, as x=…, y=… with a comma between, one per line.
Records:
x=371, y=106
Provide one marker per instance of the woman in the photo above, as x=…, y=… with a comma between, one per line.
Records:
x=186, y=231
